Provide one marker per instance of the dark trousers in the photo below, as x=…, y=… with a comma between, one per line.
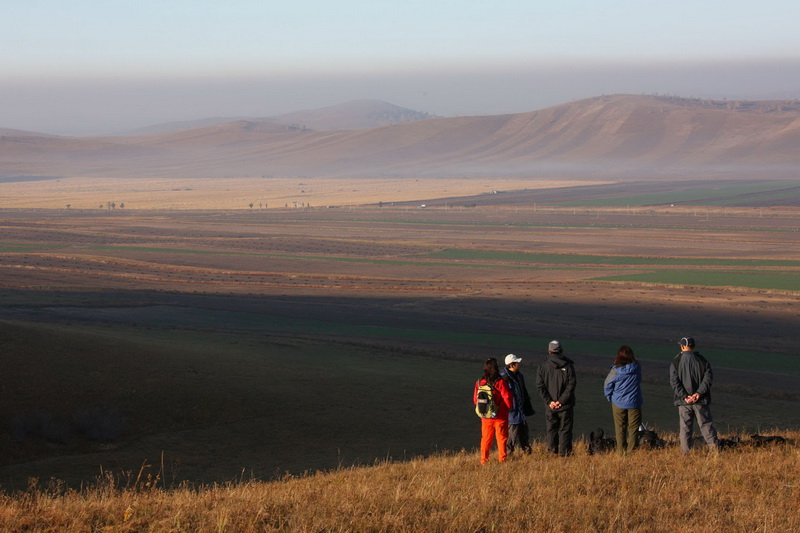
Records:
x=626, y=428
x=558, y=431
x=518, y=438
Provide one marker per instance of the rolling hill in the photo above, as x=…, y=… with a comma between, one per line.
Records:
x=620, y=136
x=354, y=115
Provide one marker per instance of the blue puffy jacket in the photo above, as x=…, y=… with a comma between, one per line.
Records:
x=623, y=386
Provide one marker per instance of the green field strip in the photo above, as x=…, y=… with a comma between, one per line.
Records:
x=529, y=347
x=666, y=351
x=787, y=281
x=713, y=278
x=530, y=225
x=29, y=245
x=643, y=201
x=9, y=247
x=395, y=262
x=792, y=196
x=532, y=348
x=712, y=196
x=487, y=255
x=16, y=249
x=391, y=262
x=163, y=250
x=492, y=255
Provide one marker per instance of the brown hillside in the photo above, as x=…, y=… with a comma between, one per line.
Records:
x=355, y=115
x=613, y=137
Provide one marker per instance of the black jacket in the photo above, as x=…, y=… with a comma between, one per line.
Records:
x=690, y=373
x=555, y=380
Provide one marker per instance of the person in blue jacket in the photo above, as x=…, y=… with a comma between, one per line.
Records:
x=623, y=389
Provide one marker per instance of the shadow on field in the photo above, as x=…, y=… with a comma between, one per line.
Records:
x=215, y=388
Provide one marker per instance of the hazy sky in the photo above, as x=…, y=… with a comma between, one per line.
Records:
x=94, y=66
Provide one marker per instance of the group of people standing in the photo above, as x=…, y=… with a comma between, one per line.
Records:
x=690, y=378
x=555, y=382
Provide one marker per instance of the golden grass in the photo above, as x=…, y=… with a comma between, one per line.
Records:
x=239, y=193
x=746, y=489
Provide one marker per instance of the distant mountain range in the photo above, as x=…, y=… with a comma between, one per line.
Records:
x=616, y=137
x=355, y=115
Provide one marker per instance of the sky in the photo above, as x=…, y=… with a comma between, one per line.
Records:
x=85, y=67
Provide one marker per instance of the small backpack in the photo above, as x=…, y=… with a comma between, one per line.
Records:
x=486, y=406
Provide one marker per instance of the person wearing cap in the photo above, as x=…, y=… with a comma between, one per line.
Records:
x=518, y=435
x=690, y=376
x=555, y=380
x=623, y=388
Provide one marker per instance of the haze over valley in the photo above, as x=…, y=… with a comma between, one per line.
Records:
x=606, y=137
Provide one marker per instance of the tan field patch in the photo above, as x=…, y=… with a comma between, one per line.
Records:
x=239, y=193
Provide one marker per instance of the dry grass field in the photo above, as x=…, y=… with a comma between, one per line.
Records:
x=238, y=193
x=744, y=489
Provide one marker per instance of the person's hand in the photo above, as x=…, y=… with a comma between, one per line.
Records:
x=555, y=405
x=692, y=398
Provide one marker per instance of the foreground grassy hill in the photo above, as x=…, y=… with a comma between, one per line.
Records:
x=743, y=489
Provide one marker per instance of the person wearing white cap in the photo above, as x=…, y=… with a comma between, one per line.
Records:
x=518, y=435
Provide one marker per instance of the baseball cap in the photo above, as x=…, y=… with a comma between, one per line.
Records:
x=554, y=347
x=511, y=358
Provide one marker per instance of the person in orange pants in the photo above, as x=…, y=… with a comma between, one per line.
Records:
x=494, y=420
x=492, y=428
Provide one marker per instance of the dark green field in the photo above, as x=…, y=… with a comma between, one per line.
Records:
x=702, y=196
x=725, y=194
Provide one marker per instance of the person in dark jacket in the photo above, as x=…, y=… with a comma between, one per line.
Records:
x=555, y=381
x=623, y=389
x=518, y=435
x=690, y=376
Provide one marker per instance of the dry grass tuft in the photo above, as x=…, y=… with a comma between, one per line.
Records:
x=747, y=488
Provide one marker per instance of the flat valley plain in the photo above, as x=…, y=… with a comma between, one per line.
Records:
x=225, y=344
